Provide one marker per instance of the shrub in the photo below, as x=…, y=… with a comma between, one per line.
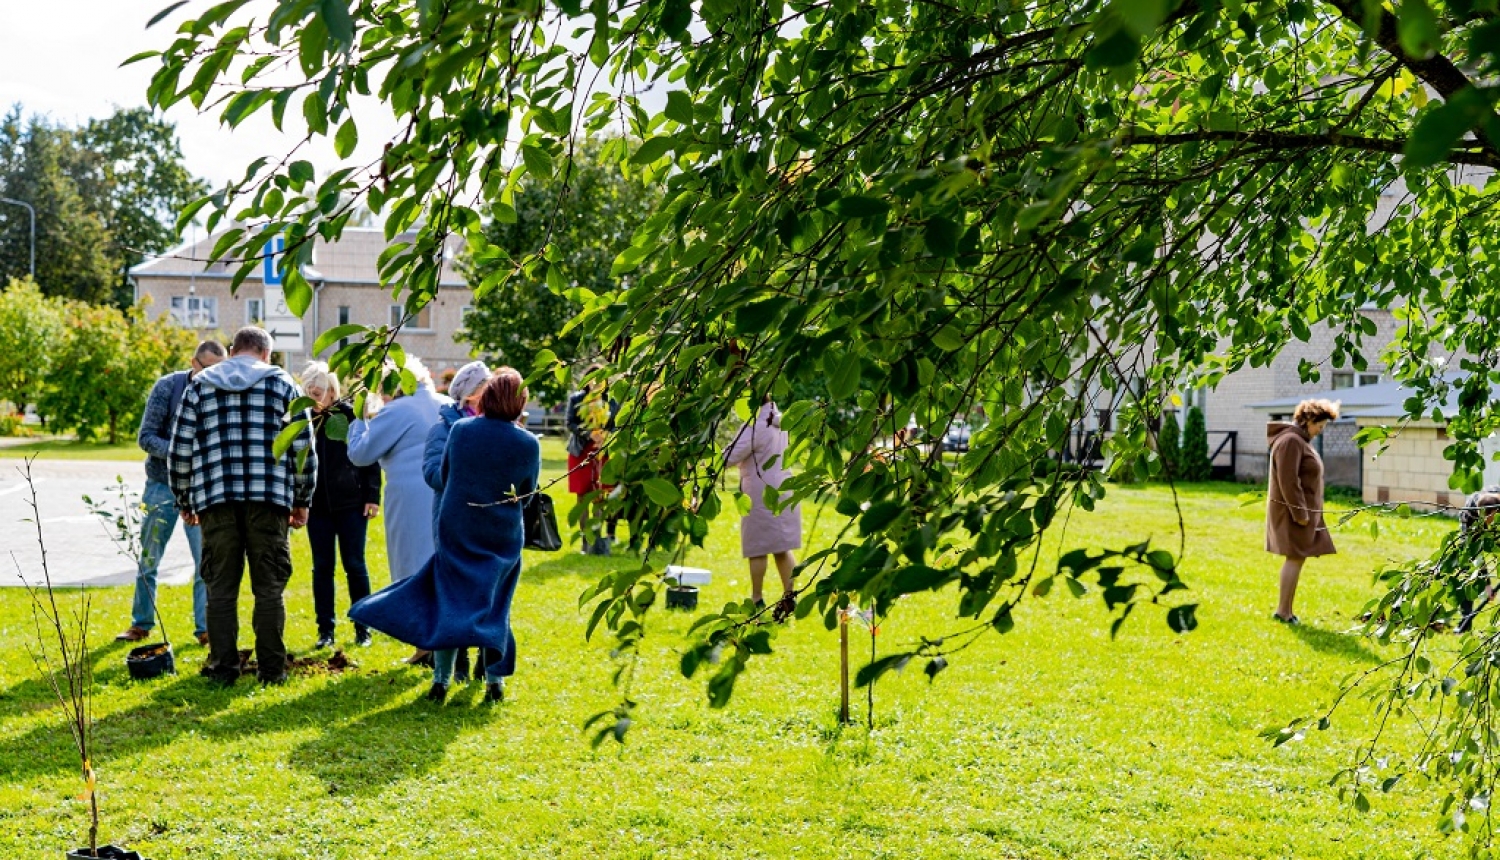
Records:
x=1169, y=445
x=106, y=366
x=1194, y=464
x=13, y=424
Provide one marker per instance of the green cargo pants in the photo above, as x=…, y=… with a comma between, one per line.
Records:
x=236, y=533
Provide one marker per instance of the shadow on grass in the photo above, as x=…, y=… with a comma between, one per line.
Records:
x=187, y=704
x=568, y=561
x=367, y=754
x=36, y=688
x=1333, y=642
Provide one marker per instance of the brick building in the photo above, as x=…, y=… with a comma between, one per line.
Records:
x=347, y=289
x=1245, y=400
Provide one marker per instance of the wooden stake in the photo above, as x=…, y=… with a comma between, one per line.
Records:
x=843, y=669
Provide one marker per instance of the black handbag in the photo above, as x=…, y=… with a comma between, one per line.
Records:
x=540, y=521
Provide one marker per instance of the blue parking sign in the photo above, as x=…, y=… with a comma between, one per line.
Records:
x=269, y=272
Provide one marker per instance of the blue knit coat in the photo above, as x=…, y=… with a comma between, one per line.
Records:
x=462, y=596
x=396, y=438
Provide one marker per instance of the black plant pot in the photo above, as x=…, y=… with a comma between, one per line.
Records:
x=106, y=852
x=682, y=597
x=150, y=661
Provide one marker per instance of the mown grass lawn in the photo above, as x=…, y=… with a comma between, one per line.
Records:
x=1050, y=742
x=72, y=449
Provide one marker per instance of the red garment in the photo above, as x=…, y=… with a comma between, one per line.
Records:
x=583, y=475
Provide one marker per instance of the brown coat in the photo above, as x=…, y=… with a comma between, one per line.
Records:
x=1295, y=492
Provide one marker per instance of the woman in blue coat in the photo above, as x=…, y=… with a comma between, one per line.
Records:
x=462, y=595
x=395, y=438
x=465, y=389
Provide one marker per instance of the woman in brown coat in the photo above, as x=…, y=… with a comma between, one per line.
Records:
x=1294, y=498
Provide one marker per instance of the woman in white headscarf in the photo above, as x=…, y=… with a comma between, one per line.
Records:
x=395, y=437
x=758, y=450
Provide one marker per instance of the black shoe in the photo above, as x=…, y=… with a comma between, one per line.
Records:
x=223, y=677
x=362, y=639
x=759, y=603
x=494, y=691
x=324, y=641
x=438, y=693
x=1290, y=620
x=272, y=681
x=461, y=667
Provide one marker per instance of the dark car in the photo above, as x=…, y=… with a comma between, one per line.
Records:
x=956, y=439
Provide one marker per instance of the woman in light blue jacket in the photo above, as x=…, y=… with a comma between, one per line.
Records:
x=395, y=437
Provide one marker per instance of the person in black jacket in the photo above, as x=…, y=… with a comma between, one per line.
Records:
x=346, y=499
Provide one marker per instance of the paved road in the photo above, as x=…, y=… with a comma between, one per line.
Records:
x=79, y=550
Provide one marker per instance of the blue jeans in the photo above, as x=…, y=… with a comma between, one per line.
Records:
x=443, y=660
x=156, y=529
x=334, y=536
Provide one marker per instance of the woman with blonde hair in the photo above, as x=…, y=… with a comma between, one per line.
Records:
x=347, y=497
x=1294, y=497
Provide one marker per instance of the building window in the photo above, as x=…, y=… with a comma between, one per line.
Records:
x=419, y=323
x=195, y=311
x=463, y=314
x=255, y=311
x=343, y=314
x=1349, y=379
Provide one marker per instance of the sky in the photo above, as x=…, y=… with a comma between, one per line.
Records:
x=61, y=58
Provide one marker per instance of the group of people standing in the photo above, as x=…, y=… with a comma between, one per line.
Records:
x=454, y=546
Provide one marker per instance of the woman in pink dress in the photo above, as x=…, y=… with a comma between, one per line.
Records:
x=758, y=450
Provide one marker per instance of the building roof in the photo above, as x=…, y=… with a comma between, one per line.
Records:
x=1382, y=400
x=351, y=260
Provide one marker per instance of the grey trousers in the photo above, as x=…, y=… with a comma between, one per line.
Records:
x=234, y=534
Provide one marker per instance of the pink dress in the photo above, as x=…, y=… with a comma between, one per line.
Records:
x=757, y=451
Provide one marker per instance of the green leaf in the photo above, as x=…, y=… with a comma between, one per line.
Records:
x=934, y=666
x=537, y=160
x=680, y=107
x=721, y=685
x=345, y=139
x=859, y=207
x=1183, y=618
x=676, y=15
x=287, y=436
x=337, y=427
x=157, y=18
x=338, y=21
x=662, y=492
x=871, y=672
x=1115, y=49
x=300, y=172
x=756, y=317
x=880, y=515
x=1439, y=130
x=653, y=149
x=336, y=334
x=949, y=338
x=941, y=237
x=1418, y=29
x=1141, y=17
x=844, y=381
x=1003, y=622
x=297, y=290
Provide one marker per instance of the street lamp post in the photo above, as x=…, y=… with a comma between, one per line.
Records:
x=33, y=230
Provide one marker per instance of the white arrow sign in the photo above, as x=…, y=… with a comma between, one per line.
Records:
x=287, y=334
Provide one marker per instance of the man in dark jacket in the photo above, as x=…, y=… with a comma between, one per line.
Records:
x=228, y=480
x=1478, y=515
x=155, y=437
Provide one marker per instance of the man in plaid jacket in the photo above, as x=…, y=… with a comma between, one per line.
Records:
x=228, y=481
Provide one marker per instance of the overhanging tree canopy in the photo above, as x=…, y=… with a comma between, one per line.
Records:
x=922, y=208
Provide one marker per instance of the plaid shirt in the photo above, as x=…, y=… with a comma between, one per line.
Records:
x=222, y=444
